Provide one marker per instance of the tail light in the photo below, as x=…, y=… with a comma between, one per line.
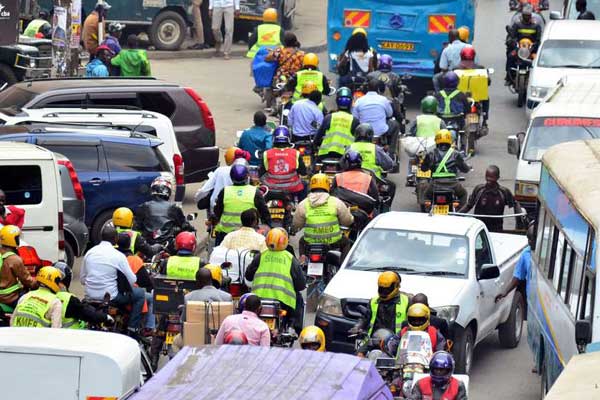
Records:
x=440, y=199
x=207, y=116
x=235, y=290
x=315, y=258
x=282, y=313
x=302, y=150
x=474, y=108
x=178, y=163
x=74, y=178
x=61, y=231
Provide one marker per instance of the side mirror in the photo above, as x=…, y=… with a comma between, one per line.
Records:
x=334, y=257
x=513, y=145
x=554, y=15
x=488, y=271
x=583, y=332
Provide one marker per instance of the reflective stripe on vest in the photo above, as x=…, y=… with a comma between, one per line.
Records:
x=428, y=125
x=401, y=308
x=70, y=323
x=339, y=135
x=267, y=35
x=236, y=200
x=527, y=31
x=369, y=155
x=442, y=171
x=355, y=180
x=16, y=286
x=34, y=27
x=31, y=311
x=427, y=390
x=305, y=75
x=183, y=267
x=273, y=278
x=322, y=225
x=282, y=165
x=132, y=234
x=448, y=100
x=431, y=331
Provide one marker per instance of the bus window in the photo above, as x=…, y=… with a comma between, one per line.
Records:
x=576, y=283
x=545, y=242
x=563, y=284
x=586, y=306
x=556, y=260
x=540, y=231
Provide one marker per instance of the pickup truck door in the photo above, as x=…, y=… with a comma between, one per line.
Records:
x=488, y=288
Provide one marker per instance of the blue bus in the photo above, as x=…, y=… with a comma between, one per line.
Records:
x=412, y=33
x=562, y=286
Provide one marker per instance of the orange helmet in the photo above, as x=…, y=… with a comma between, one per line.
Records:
x=230, y=155
x=270, y=15
x=310, y=60
x=277, y=239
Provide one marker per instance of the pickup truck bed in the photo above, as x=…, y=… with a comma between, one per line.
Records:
x=506, y=246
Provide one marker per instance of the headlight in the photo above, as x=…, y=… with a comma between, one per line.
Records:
x=526, y=189
x=538, y=92
x=32, y=63
x=449, y=313
x=330, y=305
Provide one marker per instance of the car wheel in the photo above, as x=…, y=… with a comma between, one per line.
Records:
x=509, y=332
x=463, y=351
x=7, y=76
x=69, y=254
x=100, y=222
x=168, y=31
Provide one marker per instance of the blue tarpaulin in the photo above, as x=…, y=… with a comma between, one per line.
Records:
x=263, y=71
x=254, y=372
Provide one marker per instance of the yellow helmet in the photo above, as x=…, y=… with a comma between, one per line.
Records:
x=10, y=236
x=123, y=217
x=216, y=272
x=50, y=277
x=388, y=285
x=308, y=87
x=356, y=31
x=464, y=33
x=319, y=181
x=270, y=15
x=277, y=239
x=312, y=338
x=418, y=317
x=230, y=155
x=310, y=60
x=443, y=136
x=525, y=43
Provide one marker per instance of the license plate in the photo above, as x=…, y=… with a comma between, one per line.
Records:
x=276, y=210
x=315, y=269
x=440, y=209
x=472, y=118
x=423, y=174
x=307, y=160
x=270, y=323
x=170, y=337
x=398, y=46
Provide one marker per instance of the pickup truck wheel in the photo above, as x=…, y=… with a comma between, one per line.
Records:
x=69, y=254
x=168, y=30
x=463, y=350
x=509, y=332
x=99, y=223
x=7, y=75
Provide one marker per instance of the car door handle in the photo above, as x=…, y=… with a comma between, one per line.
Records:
x=96, y=181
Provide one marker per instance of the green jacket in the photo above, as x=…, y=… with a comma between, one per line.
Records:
x=133, y=62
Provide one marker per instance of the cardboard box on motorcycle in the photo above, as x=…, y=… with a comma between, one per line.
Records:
x=201, y=318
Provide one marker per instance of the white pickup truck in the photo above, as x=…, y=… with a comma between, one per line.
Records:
x=455, y=261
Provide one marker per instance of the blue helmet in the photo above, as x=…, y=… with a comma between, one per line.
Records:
x=353, y=159
x=242, y=302
x=441, y=368
x=281, y=135
x=385, y=63
x=344, y=98
x=450, y=80
x=239, y=173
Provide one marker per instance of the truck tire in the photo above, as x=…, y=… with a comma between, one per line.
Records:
x=168, y=30
x=7, y=75
x=99, y=224
x=463, y=350
x=69, y=254
x=510, y=332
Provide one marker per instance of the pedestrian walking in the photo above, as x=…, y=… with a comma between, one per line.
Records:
x=223, y=11
x=198, y=26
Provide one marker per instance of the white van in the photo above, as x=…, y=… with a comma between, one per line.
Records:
x=570, y=112
x=30, y=179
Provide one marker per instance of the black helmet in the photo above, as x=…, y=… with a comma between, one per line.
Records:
x=364, y=133
x=66, y=272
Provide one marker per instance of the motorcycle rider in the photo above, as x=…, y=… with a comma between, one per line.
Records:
x=467, y=61
x=269, y=33
x=257, y=138
x=184, y=264
x=306, y=115
x=449, y=58
x=428, y=123
x=336, y=133
x=525, y=28
x=277, y=274
x=357, y=60
x=40, y=308
x=235, y=199
x=445, y=162
x=440, y=324
x=122, y=219
x=418, y=320
x=440, y=384
x=13, y=274
x=312, y=338
x=321, y=215
x=452, y=103
x=354, y=178
x=282, y=165
x=39, y=27
x=384, y=73
x=464, y=33
x=309, y=72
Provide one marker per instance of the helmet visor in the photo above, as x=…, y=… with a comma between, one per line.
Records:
x=311, y=346
x=385, y=291
x=417, y=321
x=441, y=372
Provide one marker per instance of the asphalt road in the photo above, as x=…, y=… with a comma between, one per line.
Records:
x=226, y=86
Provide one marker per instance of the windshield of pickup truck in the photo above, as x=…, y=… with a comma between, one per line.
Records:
x=15, y=97
x=545, y=132
x=409, y=252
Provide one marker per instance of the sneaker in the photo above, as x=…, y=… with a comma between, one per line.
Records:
x=226, y=56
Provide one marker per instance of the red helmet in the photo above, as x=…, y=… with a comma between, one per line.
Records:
x=185, y=241
x=235, y=337
x=467, y=53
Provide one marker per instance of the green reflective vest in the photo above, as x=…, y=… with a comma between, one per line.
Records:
x=34, y=27
x=442, y=171
x=70, y=323
x=273, y=278
x=401, y=309
x=306, y=75
x=369, y=156
x=267, y=35
x=448, y=100
x=322, y=224
x=133, y=234
x=16, y=286
x=428, y=125
x=339, y=135
x=236, y=200
x=181, y=267
x=31, y=311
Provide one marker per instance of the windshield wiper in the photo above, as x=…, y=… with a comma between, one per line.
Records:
x=442, y=273
x=391, y=268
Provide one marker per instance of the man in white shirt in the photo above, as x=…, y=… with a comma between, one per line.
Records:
x=219, y=11
x=100, y=272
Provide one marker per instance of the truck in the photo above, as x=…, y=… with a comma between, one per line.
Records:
x=28, y=59
x=454, y=260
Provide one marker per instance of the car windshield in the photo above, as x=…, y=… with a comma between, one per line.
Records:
x=15, y=97
x=409, y=252
x=570, y=54
x=545, y=132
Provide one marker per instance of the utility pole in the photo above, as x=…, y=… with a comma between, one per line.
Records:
x=66, y=23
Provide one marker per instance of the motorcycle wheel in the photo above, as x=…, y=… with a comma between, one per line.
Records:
x=521, y=98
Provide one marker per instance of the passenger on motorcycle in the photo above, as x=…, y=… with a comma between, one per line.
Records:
x=449, y=58
x=384, y=73
x=321, y=215
x=440, y=324
x=428, y=123
x=306, y=115
x=525, y=28
x=464, y=33
x=246, y=238
x=336, y=133
x=282, y=165
x=445, y=162
x=309, y=72
x=248, y=323
x=206, y=290
x=277, y=274
x=235, y=199
x=13, y=274
x=440, y=384
x=467, y=61
x=451, y=101
x=418, y=320
x=312, y=338
x=123, y=221
x=289, y=58
x=357, y=60
x=268, y=34
x=356, y=179
x=184, y=264
x=257, y=138
x=40, y=308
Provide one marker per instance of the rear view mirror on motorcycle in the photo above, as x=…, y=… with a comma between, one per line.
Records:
x=334, y=257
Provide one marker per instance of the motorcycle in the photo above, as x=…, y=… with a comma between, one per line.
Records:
x=276, y=318
x=362, y=207
x=475, y=127
x=330, y=167
x=307, y=152
x=413, y=356
x=384, y=142
x=443, y=199
x=455, y=124
x=281, y=207
x=165, y=235
x=519, y=74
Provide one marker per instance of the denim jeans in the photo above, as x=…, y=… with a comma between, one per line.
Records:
x=136, y=300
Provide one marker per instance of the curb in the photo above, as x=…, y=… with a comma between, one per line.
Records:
x=209, y=53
